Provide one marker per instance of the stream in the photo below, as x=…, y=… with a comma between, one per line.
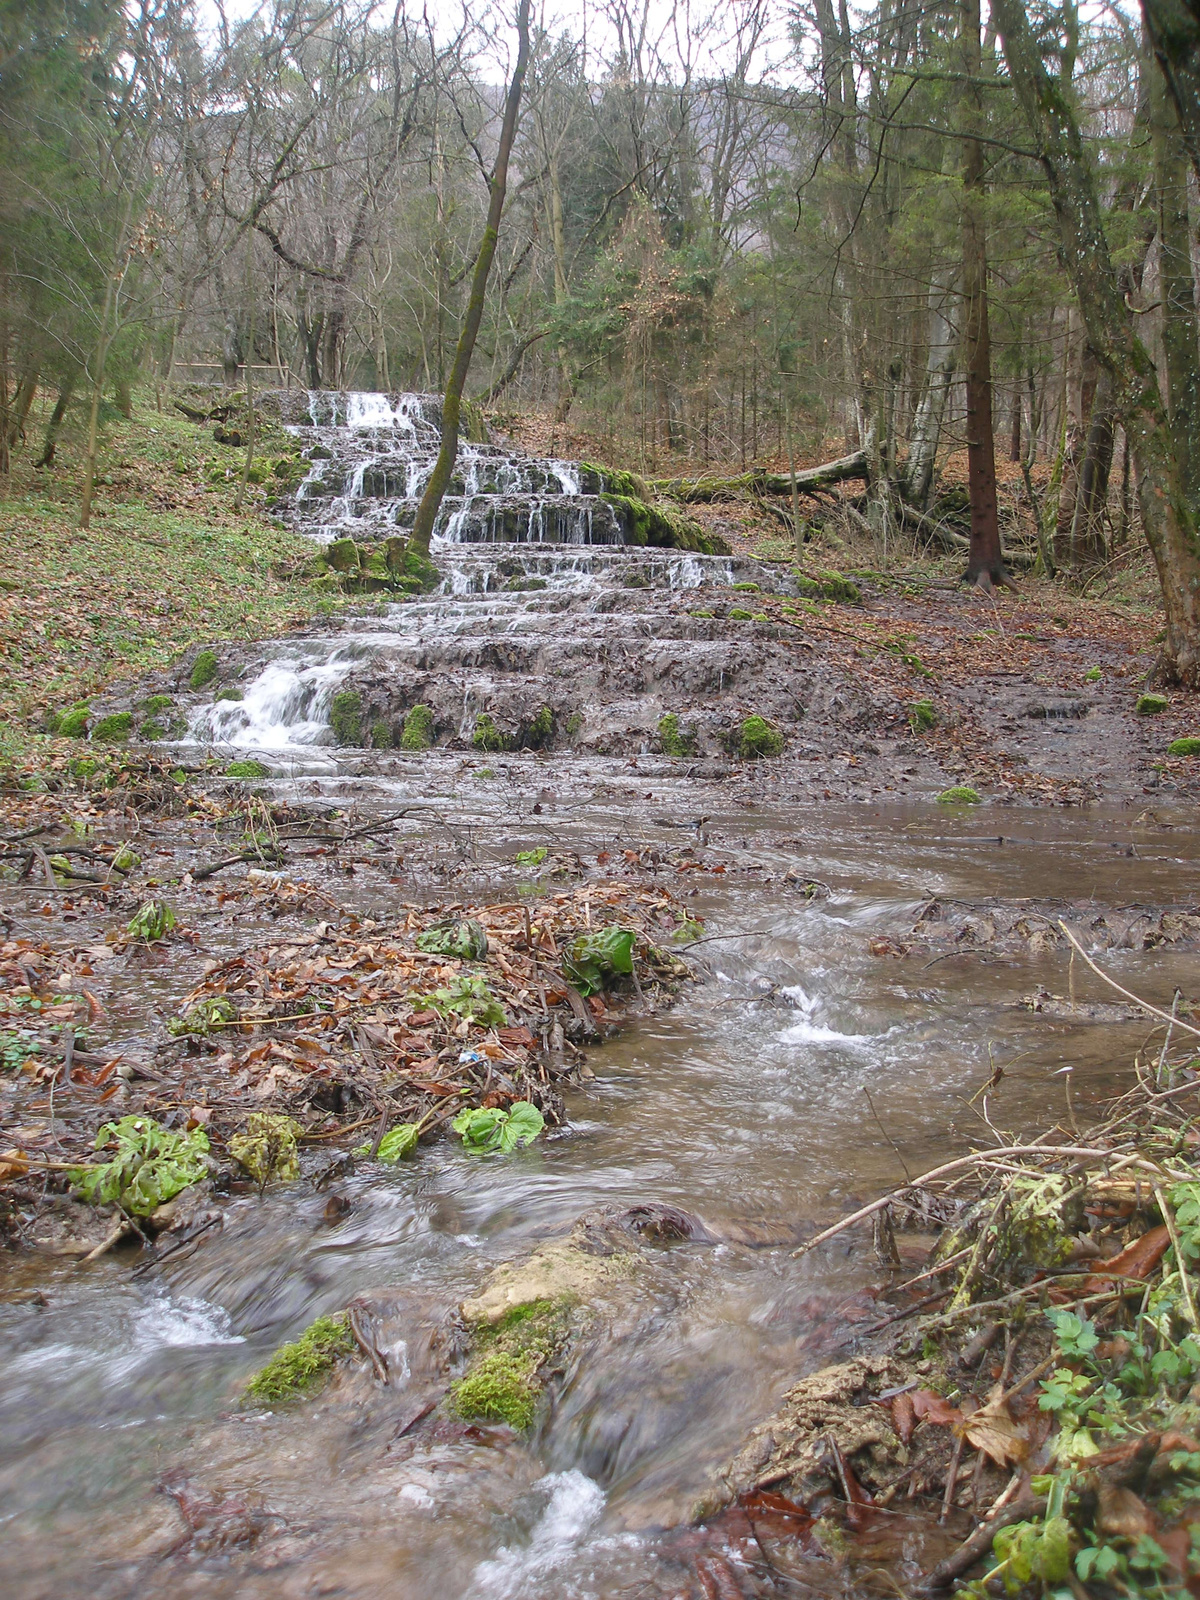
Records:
x=803, y=1074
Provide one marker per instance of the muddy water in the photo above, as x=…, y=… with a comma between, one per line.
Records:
x=747, y=1105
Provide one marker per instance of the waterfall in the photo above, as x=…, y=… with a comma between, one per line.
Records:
x=371, y=456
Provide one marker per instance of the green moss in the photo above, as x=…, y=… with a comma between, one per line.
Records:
x=504, y=1382
x=156, y=703
x=381, y=735
x=229, y=692
x=538, y=733
x=1184, y=747
x=247, y=769
x=72, y=724
x=922, y=716
x=574, y=723
x=1092, y=675
x=830, y=586
x=674, y=741
x=298, y=1367
x=758, y=738
x=418, y=729
x=1151, y=705
x=204, y=669
x=664, y=527
x=408, y=570
x=487, y=735
x=342, y=555
x=746, y=588
x=740, y=614
x=345, y=716
x=115, y=729
x=960, y=794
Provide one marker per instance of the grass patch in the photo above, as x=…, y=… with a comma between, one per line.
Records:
x=166, y=565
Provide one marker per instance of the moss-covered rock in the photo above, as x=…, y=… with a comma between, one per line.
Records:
x=247, y=769
x=204, y=669
x=487, y=735
x=504, y=1382
x=342, y=555
x=662, y=526
x=381, y=734
x=675, y=741
x=740, y=614
x=757, y=738
x=960, y=794
x=829, y=586
x=538, y=732
x=298, y=1368
x=1151, y=705
x=922, y=716
x=114, y=729
x=1184, y=747
x=345, y=717
x=229, y=691
x=418, y=729
x=409, y=570
x=71, y=724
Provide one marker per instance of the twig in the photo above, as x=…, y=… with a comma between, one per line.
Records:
x=121, y=1228
x=886, y=1134
x=368, y=1346
x=1078, y=1151
x=980, y=1542
x=952, y=1479
x=1113, y=984
x=1168, y=1217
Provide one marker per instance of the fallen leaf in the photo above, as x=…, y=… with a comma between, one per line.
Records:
x=904, y=1416
x=992, y=1430
x=1124, y=1514
x=1135, y=1261
x=935, y=1408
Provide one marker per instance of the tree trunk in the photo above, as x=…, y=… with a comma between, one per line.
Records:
x=1162, y=444
x=985, y=565
x=49, y=444
x=931, y=408
x=435, y=489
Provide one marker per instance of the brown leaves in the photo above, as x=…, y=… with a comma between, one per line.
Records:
x=1137, y=1260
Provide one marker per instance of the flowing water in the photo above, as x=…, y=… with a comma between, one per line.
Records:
x=801, y=1074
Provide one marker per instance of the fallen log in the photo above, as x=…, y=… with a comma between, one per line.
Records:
x=759, y=481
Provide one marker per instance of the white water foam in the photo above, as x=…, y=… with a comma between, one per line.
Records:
x=571, y=1513
x=807, y=1031
x=187, y=1321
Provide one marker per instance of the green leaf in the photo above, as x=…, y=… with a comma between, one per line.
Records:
x=268, y=1147
x=152, y=921
x=480, y=1127
x=522, y=1125
x=398, y=1141
x=592, y=958
x=465, y=938
x=1097, y=1561
x=152, y=1164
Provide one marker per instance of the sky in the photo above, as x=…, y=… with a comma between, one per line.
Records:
x=676, y=27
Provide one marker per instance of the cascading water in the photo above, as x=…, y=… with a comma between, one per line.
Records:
x=536, y=577
x=372, y=455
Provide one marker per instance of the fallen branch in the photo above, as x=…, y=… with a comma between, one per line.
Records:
x=980, y=1542
x=761, y=482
